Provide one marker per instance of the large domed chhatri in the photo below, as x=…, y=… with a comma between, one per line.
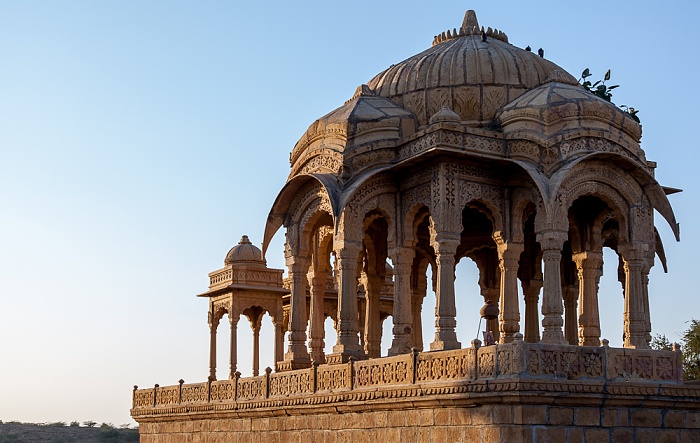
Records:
x=471, y=149
x=477, y=150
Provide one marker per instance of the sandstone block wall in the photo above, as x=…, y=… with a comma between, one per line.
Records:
x=487, y=424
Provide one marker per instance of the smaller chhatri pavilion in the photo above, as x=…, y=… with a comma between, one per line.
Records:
x=473, y=149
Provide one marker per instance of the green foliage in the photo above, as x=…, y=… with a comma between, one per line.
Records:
x=691, y=351
x=89, y=424
x=74, y=423
x=631, y=111
x=661, y=343
x=600, y=89
x=56, y=423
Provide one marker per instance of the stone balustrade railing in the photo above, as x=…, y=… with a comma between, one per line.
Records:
x=221, y=277
x=505, y=361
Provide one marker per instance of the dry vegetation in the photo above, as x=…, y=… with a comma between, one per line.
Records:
x=61, y=432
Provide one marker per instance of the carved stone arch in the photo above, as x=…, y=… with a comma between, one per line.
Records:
x=574, y=234
x=316, y=213
x=219, y=308
x=489, y=196
x=312, y=202
x=325, y=248
x=267, y=306
x=600, y=222
x=601, y=190
x=410, y=223
x=487, y=208
x=521, y=198
x=599, y=171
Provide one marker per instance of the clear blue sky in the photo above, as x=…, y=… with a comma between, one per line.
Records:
x=140, y=140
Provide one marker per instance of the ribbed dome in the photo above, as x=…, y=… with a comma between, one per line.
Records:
x=472, y=71
x=244, y=251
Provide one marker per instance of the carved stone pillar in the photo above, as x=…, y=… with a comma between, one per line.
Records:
x=417, y=297
x=316, y=332
x=255, y=324
x=348, y=343
x=587, y=264
x=551, y=243
x=493, y=295
x=373, y=331
x=645, y=289
x=570, y=294
x=213, y=325
x=402, y=343
x=531, y=291
x=445, y=310
x=233, y=359
x=509, y=317
x=279, y=342
x=635, y=322
x=297, y=357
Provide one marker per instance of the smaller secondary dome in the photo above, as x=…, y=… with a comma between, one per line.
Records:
x=445, y=114
x=244, y=251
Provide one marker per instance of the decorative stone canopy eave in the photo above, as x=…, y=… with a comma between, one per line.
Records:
x=279, y=211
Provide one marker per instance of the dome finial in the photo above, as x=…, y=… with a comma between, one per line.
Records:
x=470, y=20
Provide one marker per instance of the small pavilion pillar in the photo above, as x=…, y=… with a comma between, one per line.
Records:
x=402, y=343
x=445, y=247
x=551, y=243
x=279, y=342
x=256, y=323
x=233, y=358
x=213, y=325
x=587, y=264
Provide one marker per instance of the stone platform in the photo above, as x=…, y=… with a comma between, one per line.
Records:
x=517, y=392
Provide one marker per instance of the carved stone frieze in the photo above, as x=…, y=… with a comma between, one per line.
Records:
x=321, y=163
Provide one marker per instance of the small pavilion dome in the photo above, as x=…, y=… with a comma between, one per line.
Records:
x=561, y=106
x=244, y=252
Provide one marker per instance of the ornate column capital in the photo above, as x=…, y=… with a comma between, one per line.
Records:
x=551, y=240
x=445, y=243
x=588, y=260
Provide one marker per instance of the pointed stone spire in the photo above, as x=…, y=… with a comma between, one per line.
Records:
x=470, y=20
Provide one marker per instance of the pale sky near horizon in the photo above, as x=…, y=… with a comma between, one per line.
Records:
x=140, y=140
